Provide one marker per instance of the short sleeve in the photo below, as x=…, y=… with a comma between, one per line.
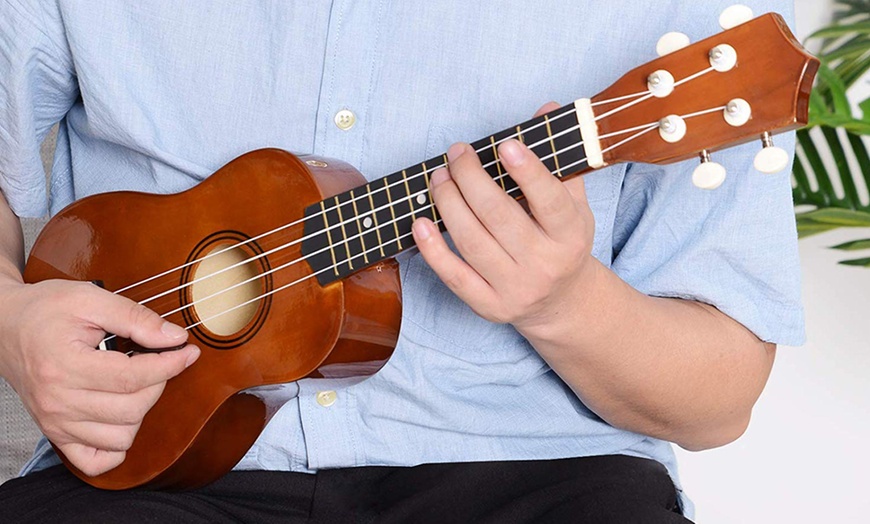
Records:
x=37, y=88
x=734, y=248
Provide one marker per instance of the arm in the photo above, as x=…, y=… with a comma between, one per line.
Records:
x=673, y=369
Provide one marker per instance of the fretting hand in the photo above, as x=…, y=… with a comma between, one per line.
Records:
x=516, y=267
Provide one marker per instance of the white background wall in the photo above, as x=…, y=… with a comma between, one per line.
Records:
x=805, y=457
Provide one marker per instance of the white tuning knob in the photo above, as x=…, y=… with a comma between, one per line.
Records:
x=771, y=159
x=709, y=175
x=734, y=16
x=672, y=42
x=661, y=83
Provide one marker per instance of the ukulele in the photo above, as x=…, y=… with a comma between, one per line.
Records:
x=295, y=278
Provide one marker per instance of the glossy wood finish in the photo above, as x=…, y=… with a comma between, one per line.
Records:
x=202, y=425
x=773, y=73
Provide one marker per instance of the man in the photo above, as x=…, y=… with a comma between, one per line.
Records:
x=540, y=383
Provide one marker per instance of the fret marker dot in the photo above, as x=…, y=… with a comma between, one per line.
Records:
x=421, y=199
x=367, y=222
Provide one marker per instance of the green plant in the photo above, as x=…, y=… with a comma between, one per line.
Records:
x=845, y=56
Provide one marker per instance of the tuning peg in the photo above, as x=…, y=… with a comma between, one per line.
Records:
x=661, y=83
x=771, y=159
x=672, y=42
x=734, y=16
x=709, y=175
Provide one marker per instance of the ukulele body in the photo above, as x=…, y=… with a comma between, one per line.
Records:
x=204, y=422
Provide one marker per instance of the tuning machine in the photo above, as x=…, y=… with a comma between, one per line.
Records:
x=771, y=159
x=709, y=175
x=735, y=16
x=672, y=42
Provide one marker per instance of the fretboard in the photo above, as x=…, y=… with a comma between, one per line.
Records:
x=363, y=226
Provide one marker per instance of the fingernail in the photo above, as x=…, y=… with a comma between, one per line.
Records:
x=173, y=331
x=421, y=230
x=511, y=152
x=455, y=151
x=439, y=176
x=192, y=357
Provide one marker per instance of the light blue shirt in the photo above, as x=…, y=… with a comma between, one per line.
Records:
x=154, y=96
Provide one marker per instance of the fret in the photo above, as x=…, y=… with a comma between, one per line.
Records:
x=568, y=141
x=419, y=186
x=538, y=140
x=402, y=206
x=520, y=135
x=385, y=220
x=352, y=230
x=344, y=232
x=427, y=177
x=497, y=161
x=553, y=147
x=375, y=219
x=393, y=213
x=408, y=191
x=359, y=226
x=329, y=237
x=497, y=170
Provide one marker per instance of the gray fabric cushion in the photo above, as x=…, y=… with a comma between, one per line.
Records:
x=18, y=432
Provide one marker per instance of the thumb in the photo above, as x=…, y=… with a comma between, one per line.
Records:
x=92, y=461
x=577, y=188
x=125, y=318
x=546, y=108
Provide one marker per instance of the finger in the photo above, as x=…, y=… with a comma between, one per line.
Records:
x=117, y=373
x=456, y=274
x=125, y=318
x=112, y=408
x=502, y=216
x=473, y=240
x=546, y=108
x=549, y=201
x=107, y=437
x=92, y=461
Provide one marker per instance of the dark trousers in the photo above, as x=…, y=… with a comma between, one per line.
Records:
x=616, y=489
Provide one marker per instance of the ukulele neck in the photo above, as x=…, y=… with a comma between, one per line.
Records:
x=370, y=223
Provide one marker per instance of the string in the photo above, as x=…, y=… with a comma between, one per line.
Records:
x=644, y=129
x=324, y=211
x=409, y=198
x=334, y=267
x=335, y=226
x=385, y=188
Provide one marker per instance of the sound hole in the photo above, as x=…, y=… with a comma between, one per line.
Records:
x=217, y=299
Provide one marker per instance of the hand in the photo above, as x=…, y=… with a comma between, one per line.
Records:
x=517, y=268
x=89, y=403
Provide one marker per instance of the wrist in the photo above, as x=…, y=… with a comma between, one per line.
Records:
x=570, y=315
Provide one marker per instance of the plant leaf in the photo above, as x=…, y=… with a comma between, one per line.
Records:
x=859, y=262
x=806, y=230
x=855, y=245
x=837, y=217
x=838, y=30
x=837, y=90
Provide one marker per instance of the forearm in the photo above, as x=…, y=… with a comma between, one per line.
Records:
x=11, y=244
x=674, y=369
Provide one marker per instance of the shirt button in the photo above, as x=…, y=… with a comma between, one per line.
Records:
x=326, y=398
x=345, y=119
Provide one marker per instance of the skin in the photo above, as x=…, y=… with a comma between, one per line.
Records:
x=673, y=369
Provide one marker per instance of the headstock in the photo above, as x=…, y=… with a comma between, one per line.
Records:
x=740, y=85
